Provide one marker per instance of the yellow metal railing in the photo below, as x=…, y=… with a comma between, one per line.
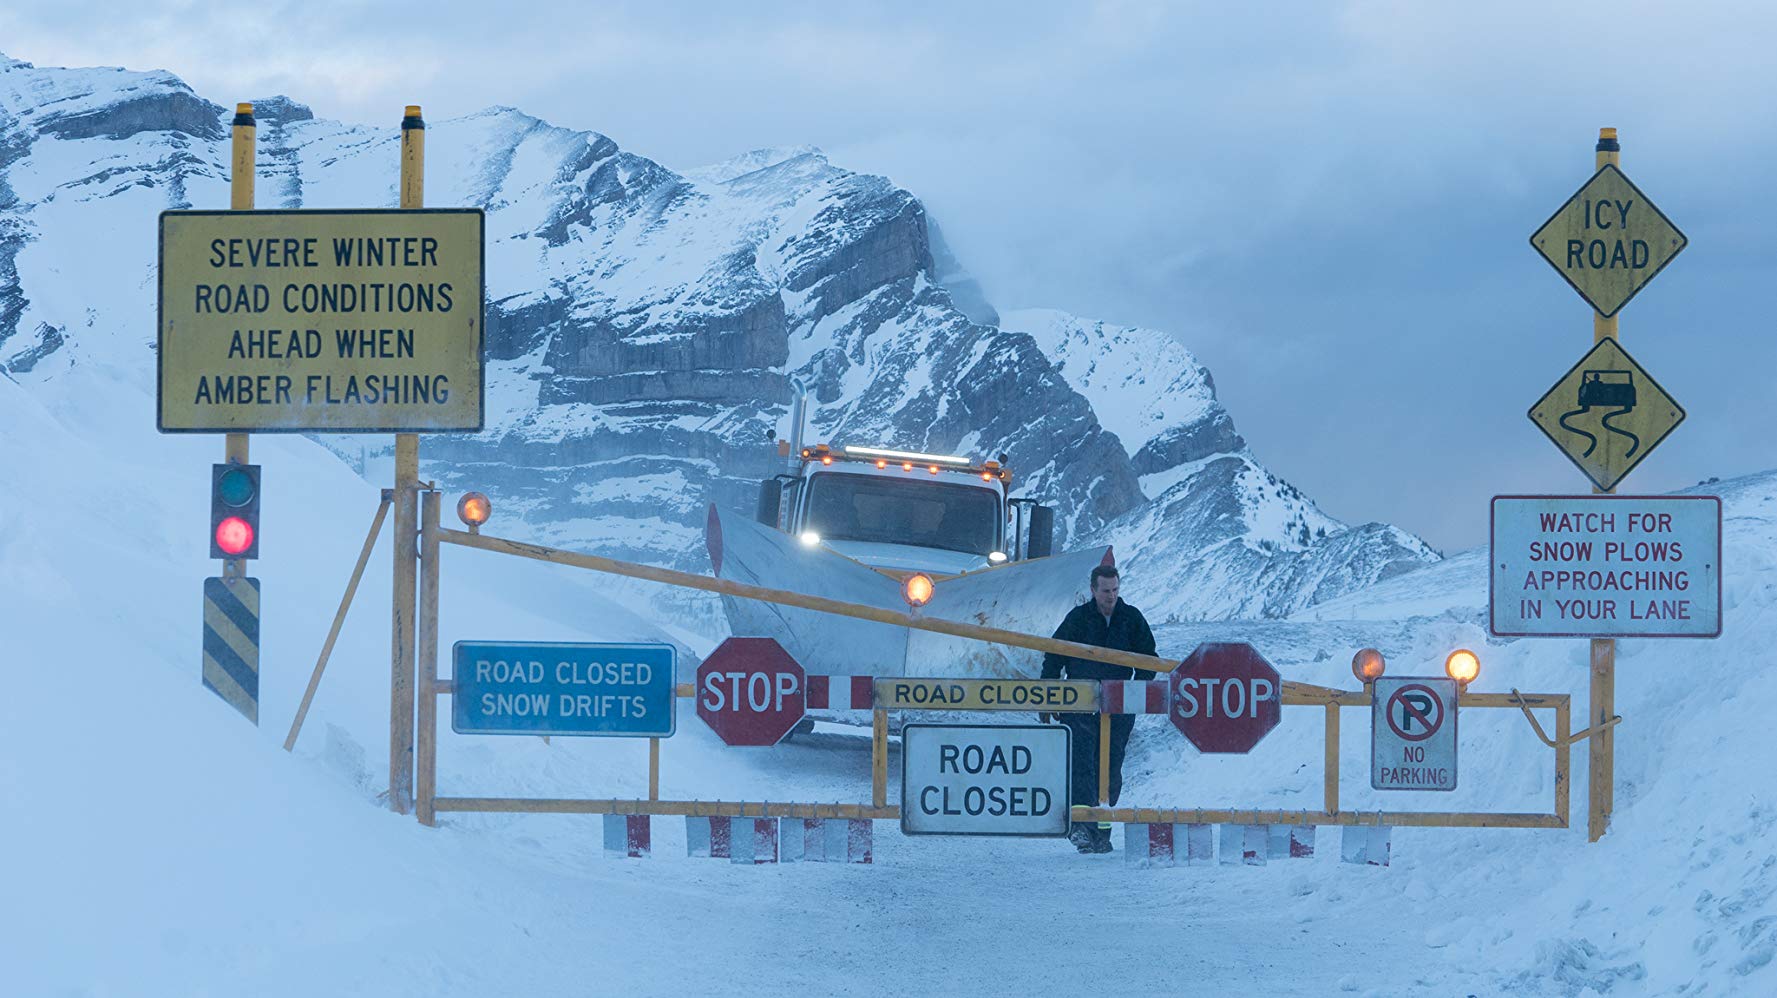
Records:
x=1294, y=694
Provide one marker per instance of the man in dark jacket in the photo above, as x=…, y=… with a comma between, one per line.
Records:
x=1108, y=622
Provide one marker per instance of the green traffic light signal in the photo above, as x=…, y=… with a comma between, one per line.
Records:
x=236, y=487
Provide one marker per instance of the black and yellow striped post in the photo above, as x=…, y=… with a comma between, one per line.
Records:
x=231, y=642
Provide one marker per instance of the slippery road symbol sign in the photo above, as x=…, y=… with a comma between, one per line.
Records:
x=1606, y=414
x=1413, y=733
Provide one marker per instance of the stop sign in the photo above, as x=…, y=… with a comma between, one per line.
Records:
x=750, y=691
x=1226, y=697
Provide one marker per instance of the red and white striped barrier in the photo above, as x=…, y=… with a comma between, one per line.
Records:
x=825, y=840
x=1133, y=696
x=1119, y=696
x=1162, y=844
x=752, y=840
x=740, y=840
x=1301, y=842
x=1290, y=842
x=1366, y=844
x=840, y=693
x=1201, y=845
x=628, y=836
x=1249, y=844
x=775, y=840
x=1150, y=845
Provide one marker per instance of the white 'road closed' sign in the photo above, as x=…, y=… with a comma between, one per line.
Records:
x=1413, y=733
x=963, y=779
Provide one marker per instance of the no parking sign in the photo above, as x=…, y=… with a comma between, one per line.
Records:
x=1413, y=733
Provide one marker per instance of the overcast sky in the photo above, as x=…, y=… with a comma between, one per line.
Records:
x=1329, y=203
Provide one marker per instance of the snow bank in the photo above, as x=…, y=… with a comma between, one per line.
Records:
x=172, y=849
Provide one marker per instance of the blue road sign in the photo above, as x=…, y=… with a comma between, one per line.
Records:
x=559, y=688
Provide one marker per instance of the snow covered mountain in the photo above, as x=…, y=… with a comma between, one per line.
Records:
x=1220, y=536
x=646, y=330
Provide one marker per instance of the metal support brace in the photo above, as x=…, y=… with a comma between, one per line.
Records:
x=1570, y=739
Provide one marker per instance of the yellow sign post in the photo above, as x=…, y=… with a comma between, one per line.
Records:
x=1606, y=414
x=321, y=321
x=1608, y=240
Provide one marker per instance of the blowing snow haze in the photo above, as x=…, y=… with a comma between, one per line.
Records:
x=648, y=331
x=1327, y=205
x=645, y=329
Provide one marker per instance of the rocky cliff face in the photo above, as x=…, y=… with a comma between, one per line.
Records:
x=647, y=329
x=1219, y=536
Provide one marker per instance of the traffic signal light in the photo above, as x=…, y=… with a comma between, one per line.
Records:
x=234, y=511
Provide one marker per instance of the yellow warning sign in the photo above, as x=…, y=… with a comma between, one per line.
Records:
x=1606, y=414
x=321, y=321
x=1608, y=240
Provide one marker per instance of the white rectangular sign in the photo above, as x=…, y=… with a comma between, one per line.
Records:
x=1606, y=566
x=965, y=779
x=1413, y=733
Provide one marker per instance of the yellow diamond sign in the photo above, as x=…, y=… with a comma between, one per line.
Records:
x=1606, y=414
x=1608, y=240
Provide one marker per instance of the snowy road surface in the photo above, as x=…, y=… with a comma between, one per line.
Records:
x=198, y=871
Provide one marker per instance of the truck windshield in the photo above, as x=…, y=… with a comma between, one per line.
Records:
x=911, y=511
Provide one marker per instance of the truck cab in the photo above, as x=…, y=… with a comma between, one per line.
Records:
x=901, y=512
x=861, y=525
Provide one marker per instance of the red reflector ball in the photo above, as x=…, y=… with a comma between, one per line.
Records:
x=234, y=535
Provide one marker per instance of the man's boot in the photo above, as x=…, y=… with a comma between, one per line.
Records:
x=1082, y=836
x=1101, y=837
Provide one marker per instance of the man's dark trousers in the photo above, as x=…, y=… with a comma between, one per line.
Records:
x=1085, y=751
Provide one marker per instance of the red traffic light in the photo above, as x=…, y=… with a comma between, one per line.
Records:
x=234, y=511
x=234, y=536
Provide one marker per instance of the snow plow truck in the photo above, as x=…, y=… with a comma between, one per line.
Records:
x=857, y=523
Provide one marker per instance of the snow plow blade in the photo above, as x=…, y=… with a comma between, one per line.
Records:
x=1027, y=596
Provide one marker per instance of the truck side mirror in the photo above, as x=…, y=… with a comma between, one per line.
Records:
x=1042, y=532
x=771, y=497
